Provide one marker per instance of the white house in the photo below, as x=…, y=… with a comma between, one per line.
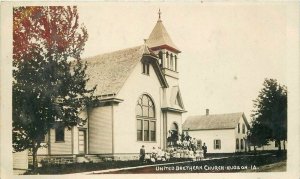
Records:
x=140, y=102
x=222, y=133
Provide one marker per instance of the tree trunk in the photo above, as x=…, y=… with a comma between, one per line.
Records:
x=279, y=145
x=34, y=154
x=34, y=161
x=284, y=145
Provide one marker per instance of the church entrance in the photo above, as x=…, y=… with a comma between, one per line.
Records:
x=173, y=135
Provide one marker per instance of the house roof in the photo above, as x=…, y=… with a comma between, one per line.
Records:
x=215, y=121
x=159, y=37
x=110, y=71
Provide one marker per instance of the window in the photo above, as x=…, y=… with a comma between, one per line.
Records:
x=243, y=129
x=242, y=144
x=146, y=68
x=217, y=144
x=237, y=144
x=168, y=61
x=239, y=128
x=59, y=134
x=175, y=62
x=160, y=56
x=171, y=62
x=146, y=122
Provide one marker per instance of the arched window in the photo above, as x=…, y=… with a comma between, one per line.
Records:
x=237, y=144
x=146, y=122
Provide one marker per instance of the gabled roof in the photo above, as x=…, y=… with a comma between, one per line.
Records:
x=215, y=121
x=109, y=71
x=159, y=38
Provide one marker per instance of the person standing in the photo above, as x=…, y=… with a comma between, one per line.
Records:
x=142, y=154
x=204, y=148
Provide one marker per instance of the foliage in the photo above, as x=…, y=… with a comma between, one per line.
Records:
x=49, y=86
x=270, y=114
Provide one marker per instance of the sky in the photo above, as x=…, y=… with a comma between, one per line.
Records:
x=227, y=49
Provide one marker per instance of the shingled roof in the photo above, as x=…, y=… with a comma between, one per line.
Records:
x=109, y=71
x=215, y=121
x=159, y=37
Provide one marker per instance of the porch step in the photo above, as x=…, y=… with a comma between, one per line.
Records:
x=93, y=158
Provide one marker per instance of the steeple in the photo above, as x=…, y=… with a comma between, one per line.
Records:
x=160, y=39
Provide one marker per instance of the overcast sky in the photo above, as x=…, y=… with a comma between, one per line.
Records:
x=227, y=50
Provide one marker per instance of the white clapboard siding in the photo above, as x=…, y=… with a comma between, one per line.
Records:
x=61, y=147
x=100, y=130
x=20, y=160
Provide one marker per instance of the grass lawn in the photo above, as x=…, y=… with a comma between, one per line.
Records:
x=233, y=162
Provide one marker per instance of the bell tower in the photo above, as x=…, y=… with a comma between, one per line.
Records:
x=172, y=106
x=162, y=45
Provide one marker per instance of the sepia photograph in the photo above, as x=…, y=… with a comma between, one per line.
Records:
x=151, y=88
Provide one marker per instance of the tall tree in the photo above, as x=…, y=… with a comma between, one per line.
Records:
x=49, y=87
x=270, y=114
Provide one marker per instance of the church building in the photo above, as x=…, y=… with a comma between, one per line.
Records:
x=140, y=103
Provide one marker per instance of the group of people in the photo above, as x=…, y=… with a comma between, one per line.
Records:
x=154, y=156
x=186, y=150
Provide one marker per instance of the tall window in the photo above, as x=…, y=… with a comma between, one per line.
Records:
x=237, y=144
x=239, y=128
x=59, y=134
x=242, y=144
x=168, y=60
x=146, y=122
x=217, y=144
x=243, y=129
x=146, y=68
x=160, y=56
x=171, y=62
x=175, y=62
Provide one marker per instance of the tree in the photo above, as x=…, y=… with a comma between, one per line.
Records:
x=269, y=114
x=49, y=87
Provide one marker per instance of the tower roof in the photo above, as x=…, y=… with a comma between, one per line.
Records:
x=159, y=38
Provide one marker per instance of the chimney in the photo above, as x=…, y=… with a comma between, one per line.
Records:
x=207, y=112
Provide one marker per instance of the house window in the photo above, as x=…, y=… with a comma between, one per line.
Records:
x=242, y=144
x=237, y=144
x=146, y=68
x=239, y=128
x=59, y=134
x=146, y=122
x=217, y=144
x=244, y=129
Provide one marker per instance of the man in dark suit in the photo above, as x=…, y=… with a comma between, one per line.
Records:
x=204, y=148
x=142, y=154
